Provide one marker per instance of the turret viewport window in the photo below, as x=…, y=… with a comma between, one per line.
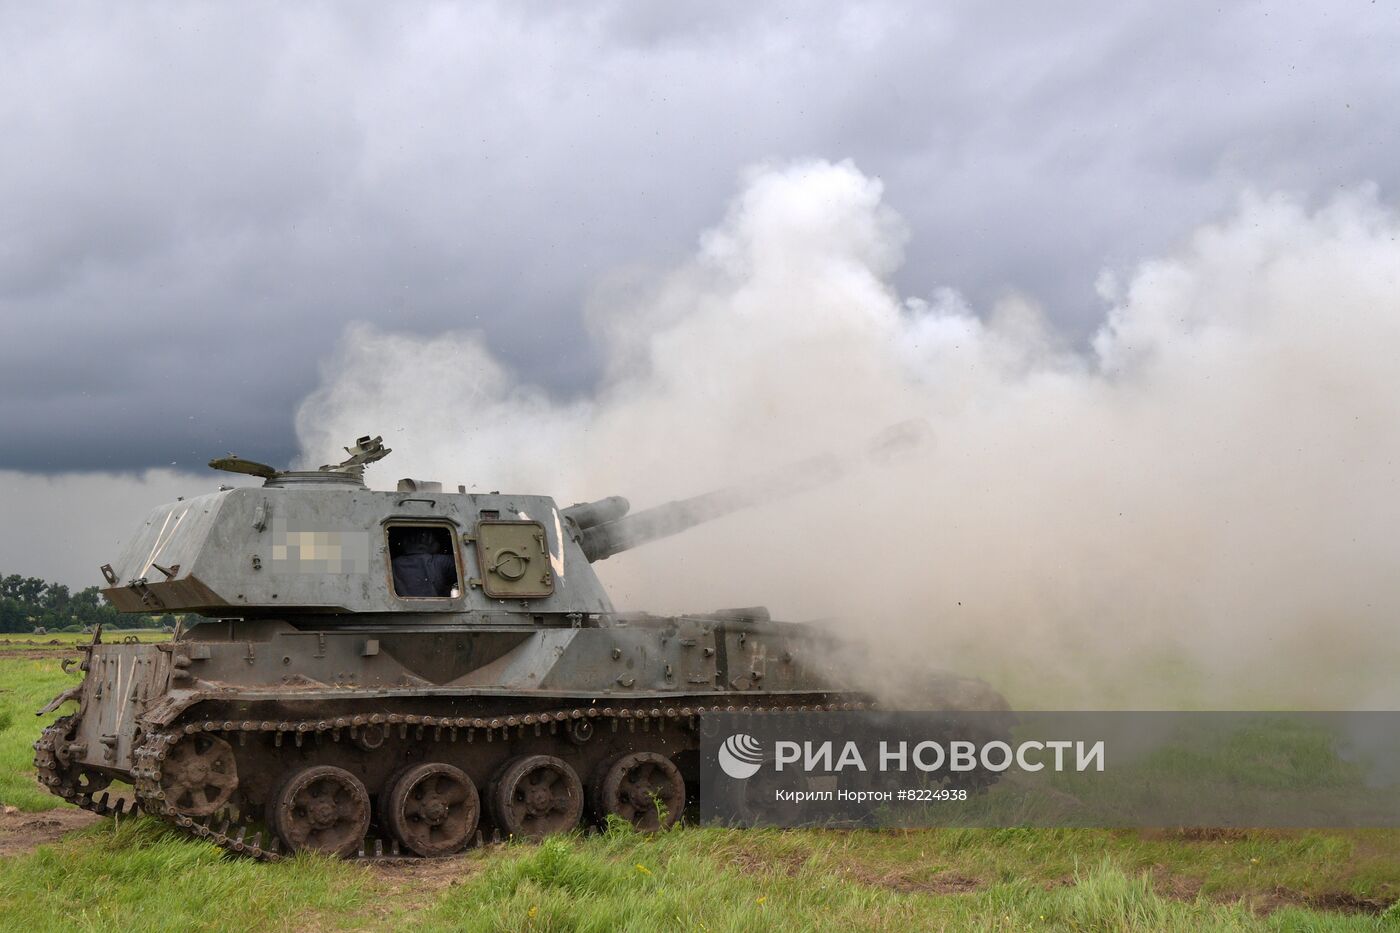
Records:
x=424, y=562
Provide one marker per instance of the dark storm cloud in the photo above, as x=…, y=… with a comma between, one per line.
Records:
x=194, y=200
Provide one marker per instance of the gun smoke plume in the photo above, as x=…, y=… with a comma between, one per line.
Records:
x=1199, y=507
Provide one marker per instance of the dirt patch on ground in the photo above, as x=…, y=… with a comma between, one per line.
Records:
x=426, y=872
x=1197, y=834
x=23, y=832
x=749, y=862
x=1174, y=887
x=400, y=887
x=39, y=648
x=1342, y=902
x=39, y=654
x=1180, y=888
x=906, y=882
x=412, y=884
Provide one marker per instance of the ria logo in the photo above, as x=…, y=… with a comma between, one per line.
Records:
x=740, y=756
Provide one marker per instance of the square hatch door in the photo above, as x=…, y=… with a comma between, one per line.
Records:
x=514, y=559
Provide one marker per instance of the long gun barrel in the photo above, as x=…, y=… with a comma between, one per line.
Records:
x=604, y=528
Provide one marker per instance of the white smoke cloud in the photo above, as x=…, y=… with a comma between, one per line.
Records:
x=1199, y=507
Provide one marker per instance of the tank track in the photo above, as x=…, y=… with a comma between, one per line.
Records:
x=53, y=775
x=229, y=832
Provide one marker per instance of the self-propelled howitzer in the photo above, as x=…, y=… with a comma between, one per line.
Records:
x=403, y=671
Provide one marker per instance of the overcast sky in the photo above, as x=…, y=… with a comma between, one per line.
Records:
x=196, y=199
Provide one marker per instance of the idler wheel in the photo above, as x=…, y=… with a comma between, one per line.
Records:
x=321, y=809
x=536, y=795
x=639, y=787
x=199, y=775
x=432, y=809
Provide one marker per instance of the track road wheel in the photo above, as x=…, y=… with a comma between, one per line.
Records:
x=199, y=776
x=321, y=809
x=536, y=795
x=644, y=788
x=431, y=809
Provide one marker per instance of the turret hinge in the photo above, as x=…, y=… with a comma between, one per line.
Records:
x=148, y=598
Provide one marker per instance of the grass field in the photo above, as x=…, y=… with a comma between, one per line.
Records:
x=59, y=640
x=138, y=875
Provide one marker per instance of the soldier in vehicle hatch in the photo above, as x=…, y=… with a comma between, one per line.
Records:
x=423, y=567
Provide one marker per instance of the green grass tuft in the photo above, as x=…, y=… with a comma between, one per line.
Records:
x=26, y=685
x=142, y=875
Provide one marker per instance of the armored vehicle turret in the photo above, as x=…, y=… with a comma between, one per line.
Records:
x=404, y=671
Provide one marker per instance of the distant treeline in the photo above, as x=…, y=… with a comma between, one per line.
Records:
x=28, y=603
